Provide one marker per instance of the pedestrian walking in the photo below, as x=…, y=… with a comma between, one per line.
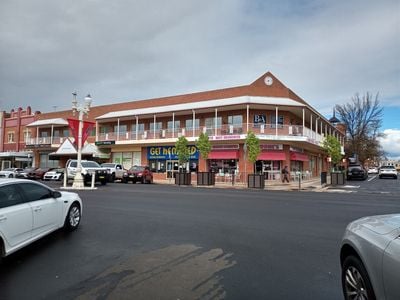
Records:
x=285, y=174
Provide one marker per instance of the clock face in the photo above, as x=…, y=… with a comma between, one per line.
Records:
x=268, y=80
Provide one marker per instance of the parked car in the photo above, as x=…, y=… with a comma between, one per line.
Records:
x=30, y=210
x=25, y=174
x=138, y=174
x=115, y=171
x=370, y=258
x=39, y=173
x=55, y=174
x=88, y=168
x=356, y=172
x=388, y=171
x=10, y=172
x=373, y=170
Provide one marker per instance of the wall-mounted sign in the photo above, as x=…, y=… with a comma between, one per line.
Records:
x=104, y=143
x=260, y=119
x=169, y=152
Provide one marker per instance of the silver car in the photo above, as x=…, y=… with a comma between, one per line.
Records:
x=370, y=258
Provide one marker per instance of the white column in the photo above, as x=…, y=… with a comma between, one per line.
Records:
x=173, y=124
x=247, y=118
x=37, y=135
x=137, y=125
x=97, y=131
x=311, y=134
x=276, y=121
x=154, y=127
x=118, y=129
x=304, y=121
x=51, y=134
x=216, y=122
x=194, y=122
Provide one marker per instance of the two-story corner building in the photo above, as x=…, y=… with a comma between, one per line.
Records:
x=13, y=134
x=144, y=132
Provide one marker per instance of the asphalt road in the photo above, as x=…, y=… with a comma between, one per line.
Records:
x=168, y=242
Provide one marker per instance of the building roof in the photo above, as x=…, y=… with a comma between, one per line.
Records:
x=57, y=121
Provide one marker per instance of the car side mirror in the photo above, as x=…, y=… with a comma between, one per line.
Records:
x=56, y=194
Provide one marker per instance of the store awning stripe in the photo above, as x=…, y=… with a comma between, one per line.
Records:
x=223, y=155
x=299, y=156
x=271, y=156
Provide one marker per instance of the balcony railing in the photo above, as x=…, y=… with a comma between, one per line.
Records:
x=47, y=140
x=229, y=131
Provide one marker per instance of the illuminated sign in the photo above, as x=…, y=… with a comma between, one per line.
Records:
x=169, y=152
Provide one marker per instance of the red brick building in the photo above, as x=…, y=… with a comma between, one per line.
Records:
x=144, y=132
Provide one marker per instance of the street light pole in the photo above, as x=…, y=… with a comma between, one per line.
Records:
x=82, y=109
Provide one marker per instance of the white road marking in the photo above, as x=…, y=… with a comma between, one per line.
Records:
x=372, y=178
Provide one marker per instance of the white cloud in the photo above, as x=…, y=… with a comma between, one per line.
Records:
x=325, y=51
x=391, y=143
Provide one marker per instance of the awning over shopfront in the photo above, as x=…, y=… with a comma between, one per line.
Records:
x=233, y=154
x=272, y=156
x=299, y=156
x=68, y=149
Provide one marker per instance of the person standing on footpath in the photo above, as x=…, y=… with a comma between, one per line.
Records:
x=285, y=174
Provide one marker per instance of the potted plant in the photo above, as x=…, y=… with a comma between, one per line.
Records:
x=204, y=146
x=183, y=153
x=332, y=147
x=252, y=146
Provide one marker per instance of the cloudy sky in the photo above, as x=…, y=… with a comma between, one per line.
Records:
x=325, y=51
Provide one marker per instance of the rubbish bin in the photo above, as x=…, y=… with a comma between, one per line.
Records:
x=323, y=177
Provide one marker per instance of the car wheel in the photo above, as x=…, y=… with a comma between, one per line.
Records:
x=61, y=177
x=73, y=217
x=355, y=280
x=10, y=176
x=112, y=177
x=103, y=182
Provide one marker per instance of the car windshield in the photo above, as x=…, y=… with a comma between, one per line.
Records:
x=58, y=170
x=387, y=167
x=107, y=165
x=90, y=164
x=9, y=169
x=137, y=168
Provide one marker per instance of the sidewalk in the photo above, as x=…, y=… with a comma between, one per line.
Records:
x=313, y=184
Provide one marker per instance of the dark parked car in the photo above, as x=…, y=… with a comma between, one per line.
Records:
x=356, y=172
x=138, y=174
x=26, y=173
x=39, y=173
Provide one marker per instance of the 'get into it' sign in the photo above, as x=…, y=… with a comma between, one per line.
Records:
x=169, y=152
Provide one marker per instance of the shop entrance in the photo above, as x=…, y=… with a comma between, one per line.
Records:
x=172, y=167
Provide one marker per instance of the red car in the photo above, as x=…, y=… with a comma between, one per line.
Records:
x=138, y=174
x=39, y=173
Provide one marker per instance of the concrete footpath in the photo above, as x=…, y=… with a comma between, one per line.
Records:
x=313, y=184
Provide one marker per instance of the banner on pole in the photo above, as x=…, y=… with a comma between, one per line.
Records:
x=86, y=128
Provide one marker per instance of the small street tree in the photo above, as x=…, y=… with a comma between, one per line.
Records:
x=332, y=147
x=204, y=146
x=182, y=150
x=252, y=144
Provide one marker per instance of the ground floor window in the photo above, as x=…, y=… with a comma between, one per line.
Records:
x=164, y=165
x=296, y=165
x=270, y=168
x=223, y=166
x=127, y=159
x=46, y=162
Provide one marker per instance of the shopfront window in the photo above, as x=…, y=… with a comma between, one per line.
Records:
x=224, y=166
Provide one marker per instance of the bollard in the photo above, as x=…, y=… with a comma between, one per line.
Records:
x=93, y=179
x=299, y=174
x=65, y=177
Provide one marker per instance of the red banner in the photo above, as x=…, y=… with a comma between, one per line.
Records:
x=86, y=128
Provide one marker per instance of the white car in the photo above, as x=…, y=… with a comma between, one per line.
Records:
x=370, y=258
x=387, y=171
x=30, y=210
x=373, y=171
x=54, y=174
x=10, y=172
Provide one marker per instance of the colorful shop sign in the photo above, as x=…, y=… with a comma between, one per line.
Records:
x=169, y=152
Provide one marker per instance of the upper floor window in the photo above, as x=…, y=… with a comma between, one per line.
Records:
x=11, y=137
x=189, y=124
x=104, y=129
x=171, y=125
x=236, y=120
x=44, y=134
x=274, y=122
x=210, y=122
x=140, y=128
x=56, y=133
x=157, y=127
x=65, y=133
x=122, y=129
